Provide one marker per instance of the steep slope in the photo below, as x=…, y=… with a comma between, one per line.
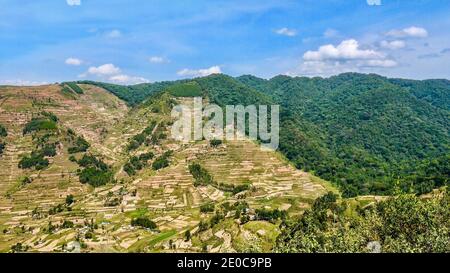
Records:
x=363, y=132
x=57, y=208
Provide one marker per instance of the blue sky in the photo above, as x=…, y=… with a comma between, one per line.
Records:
x=136, y=41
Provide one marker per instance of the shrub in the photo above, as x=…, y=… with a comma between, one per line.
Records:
x=80, y=145
x=49, y=150
x=3, y=132
x=95, y=177
x=143, y=222
x=270, y=215
x=95, y=173
x=207, y=208
x=38, y=124
x=36, y=160
x=67, y=224
x=128, y=168
x=50, y=116
x=200, y=174
x=215, y=142
x=2, y=147
x=162, y=161
x=69, y=199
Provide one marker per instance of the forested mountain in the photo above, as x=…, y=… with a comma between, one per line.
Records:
x=362, y=132
x=104, y=172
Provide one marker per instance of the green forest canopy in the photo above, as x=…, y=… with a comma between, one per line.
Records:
x=361, y=132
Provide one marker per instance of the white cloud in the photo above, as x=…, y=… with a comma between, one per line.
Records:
x=114, y=34
x=20, y=82
x=413, y=32
x=158, y=60
x=125, y=79
x=73, y=2
x=200, y=72
x=345, y=57
x=348, y=49
x=106, y=69
x=286, y=31
x=112, y=73
x=396, y=44
x=73, y=61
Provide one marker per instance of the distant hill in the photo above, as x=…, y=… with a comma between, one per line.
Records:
x=363, y=132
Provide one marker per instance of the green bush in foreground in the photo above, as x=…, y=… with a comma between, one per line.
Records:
x=403, y=223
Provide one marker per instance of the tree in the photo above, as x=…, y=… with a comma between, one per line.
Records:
x=70, y=199
x=143, y=222
x=187, y=235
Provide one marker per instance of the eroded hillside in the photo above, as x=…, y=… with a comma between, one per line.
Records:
x=100, y=176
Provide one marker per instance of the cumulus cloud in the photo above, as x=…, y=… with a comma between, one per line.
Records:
x=106, y=69
x=112, y=73
x=73, y=2
x=200, y=72
x=396, y=44
x=115, y=33
x=345, y=57
x=158, y=60
x=286, y=32
x=348, y=49
x=73, y=61
x=125, y=79
x=413, y=32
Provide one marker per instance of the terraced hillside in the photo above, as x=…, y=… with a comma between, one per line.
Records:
x=91, y=174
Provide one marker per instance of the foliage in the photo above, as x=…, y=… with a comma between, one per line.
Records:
x=35, y=160
x=95, y=172
x=77, y=89
x=17, y=248
x=70, y=199
x=201, y=175
x=3, y=131
x=215, y=142
x=49, y=150
x=2, y=147
x=137, y=163
x=208, y=207
x=270, y=215
x=67, y=224
x=403, y=223
x=137, y=140
x=189, y=89
x=143, y=222
x=363, y=132
x=79, y=145
x=38, y=124
x=162, y=161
